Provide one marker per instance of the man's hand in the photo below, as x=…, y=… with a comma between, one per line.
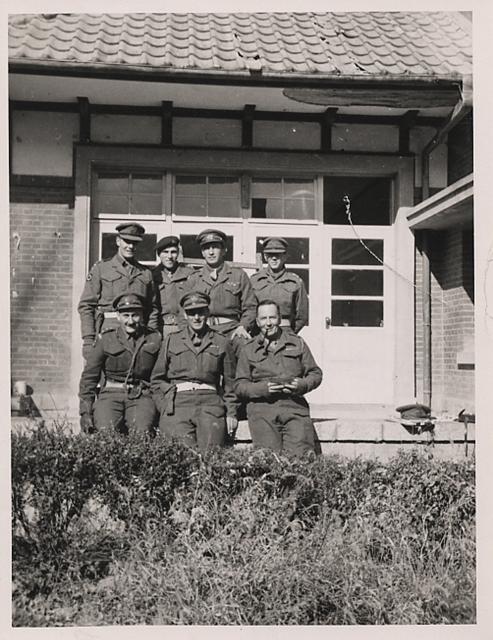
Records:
x=87, y=346
x=292, y=387
x=87, y=423
x=231, y=424
x=241, y=332
x=275, y=387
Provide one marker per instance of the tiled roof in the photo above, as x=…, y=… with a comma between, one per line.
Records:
x=405, y=44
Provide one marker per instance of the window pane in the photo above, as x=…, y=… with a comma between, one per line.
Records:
x=190, y=206
x=353, y=252
x=147, y=184
x=113, y=204
x=266, y=188
x=298, y=249
x=369, y=200
x=190, y=186
x=297, y=188
x=113, y=182
x=145, y=251
x=224, y=207
x=273, y=208
x=357, y=283
x=220, y=186
x=357, y=313
x=192, y=250
x=299, y=209
x=147, y=204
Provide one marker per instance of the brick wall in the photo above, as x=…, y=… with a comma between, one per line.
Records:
x=452, y=304
x=460, y=150
x=41, y=237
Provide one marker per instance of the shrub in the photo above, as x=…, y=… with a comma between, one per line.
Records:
x=114, y=530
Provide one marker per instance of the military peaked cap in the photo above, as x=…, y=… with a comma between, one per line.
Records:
x=195, y=300
x=274, y=245
x=211, y=235
x=128, y=302
x=414, y=412
x=131, y=231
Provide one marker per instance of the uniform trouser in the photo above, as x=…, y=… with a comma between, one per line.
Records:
x=199, y=419
x=115, y=410
x=283, y=425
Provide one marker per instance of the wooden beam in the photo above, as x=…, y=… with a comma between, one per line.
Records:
x=247, y=126
x=408, y=121
x=166, y=123
x=327, y=121
x=84, y=120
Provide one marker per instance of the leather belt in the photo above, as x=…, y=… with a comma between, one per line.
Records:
x=110, y=314
x=194, y=386
x=212, y=320
x=285, y=322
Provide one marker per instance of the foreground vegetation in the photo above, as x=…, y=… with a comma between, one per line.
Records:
x=108, y=530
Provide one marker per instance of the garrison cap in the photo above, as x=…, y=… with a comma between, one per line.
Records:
x=128, y=302
x=414, y=412
x=167, y=241
x=211, y=235
x=195, y=300
x=274, y=245
x=131, y=231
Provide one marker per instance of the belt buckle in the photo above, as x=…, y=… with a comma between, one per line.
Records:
x=133, y=391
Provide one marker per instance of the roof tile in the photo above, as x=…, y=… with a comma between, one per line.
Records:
x=363, y=43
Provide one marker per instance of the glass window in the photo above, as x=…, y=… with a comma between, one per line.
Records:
x=283, y=198
x=208, y=196
x=298, y=250
x=129, y=193
x=357, y=313
x=356, y=273
x=370, y=200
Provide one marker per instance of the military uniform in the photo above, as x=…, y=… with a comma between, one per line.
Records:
x=192, y=386
x=232, y=298
x=278, y=421
x=288, y=291
x=171, y=286
x=125, y=401
x=108, y=279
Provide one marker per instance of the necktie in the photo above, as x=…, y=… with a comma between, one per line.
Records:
x=213, y=274
x=196, y=340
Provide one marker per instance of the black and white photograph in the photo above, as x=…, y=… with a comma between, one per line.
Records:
x=243, y=283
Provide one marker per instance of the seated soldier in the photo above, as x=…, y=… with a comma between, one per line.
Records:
x=125, y=355
x=192, y=380
x=275, y=369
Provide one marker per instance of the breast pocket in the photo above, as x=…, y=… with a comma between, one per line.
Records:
x=112, y=284
x=292, y=361
x=148, y=356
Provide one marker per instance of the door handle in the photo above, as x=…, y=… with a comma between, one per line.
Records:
x=327, y=322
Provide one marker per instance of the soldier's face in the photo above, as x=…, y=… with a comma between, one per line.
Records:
x=268, y=319
x=197, y=318
x=169, y=257
x=126, y=248
x=213, y=253
x=276, y=261
x=132, y=321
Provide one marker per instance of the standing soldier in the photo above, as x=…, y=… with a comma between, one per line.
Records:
x=170, y=279
x=284, y=287
x=109, y=278
x=192, y=380
x=233, y=303
x=275, y=370
x=125, y=355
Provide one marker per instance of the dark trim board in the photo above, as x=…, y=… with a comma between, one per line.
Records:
x=220, y=114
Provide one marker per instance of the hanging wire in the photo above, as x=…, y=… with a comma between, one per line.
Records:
x=347, y=203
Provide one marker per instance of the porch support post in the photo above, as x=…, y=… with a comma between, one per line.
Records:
x=426, y=305
x=166, y=123
x=84, y=120
x=247, y=126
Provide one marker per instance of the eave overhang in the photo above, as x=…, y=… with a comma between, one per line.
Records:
x=450, y=207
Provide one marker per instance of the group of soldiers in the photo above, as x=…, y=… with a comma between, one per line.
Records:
x=177, y=351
